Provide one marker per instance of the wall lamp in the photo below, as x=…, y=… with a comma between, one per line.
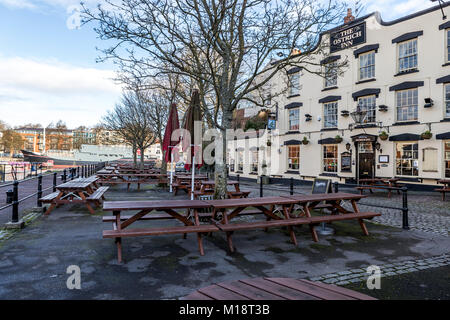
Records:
x=428, y=103
x=348, y=146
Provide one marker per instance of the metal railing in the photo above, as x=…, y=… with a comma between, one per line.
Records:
x=12, y=196
x=404, y=191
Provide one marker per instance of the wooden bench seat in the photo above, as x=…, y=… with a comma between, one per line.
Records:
x=345, y=216
x=98, y=194
x=136, y=232
x=49, y=198
x=443, y=190
x=262, y=224
x=237, y=194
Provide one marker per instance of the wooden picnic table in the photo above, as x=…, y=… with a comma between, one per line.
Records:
x=147, y=208
x=129, y=178
x=81, y=190
x=207, y=188
x=275, y=289
x=445, y=188
x=184, y=182
x=378, y=183
x=278, y=212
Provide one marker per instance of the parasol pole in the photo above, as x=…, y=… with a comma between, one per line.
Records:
x=171, y=168
x=192, y=174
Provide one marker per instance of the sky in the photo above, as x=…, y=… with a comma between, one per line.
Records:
x=48, y=68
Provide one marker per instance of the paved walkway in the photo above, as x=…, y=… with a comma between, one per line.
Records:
x=34, y=261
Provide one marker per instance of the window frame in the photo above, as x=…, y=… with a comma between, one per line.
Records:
x=406, y=106
x=289, y=157
x=447, y=159
x=416, y=54
x=325, y=115
x=372, y=52
x=372, y=110
x=325, y=157
x=446, y=101
x=410, y=159
x=294, y=86
x=447, y=45
x=331, y=72
x=292, y=128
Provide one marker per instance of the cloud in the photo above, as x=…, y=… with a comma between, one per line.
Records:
x=45, y=91
x=19, y=4
x=394, y=9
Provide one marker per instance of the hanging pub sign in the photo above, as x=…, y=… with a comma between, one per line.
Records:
x=349, y=37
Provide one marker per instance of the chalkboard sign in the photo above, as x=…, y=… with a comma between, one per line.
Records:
x=321, y=186
x=346, y=162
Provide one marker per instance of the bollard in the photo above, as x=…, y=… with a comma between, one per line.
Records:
x=54, y=181
x=39, y=192
x=15, y=206
x=260, y=187
x=405, y=208
x=291, y=188
x=336, y=187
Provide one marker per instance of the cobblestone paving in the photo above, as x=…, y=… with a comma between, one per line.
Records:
x=427, y=212
x=387, y=270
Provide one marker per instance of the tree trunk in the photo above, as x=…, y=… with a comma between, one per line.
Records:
x=142, y=158
x=220, y=169
x=135, y=155
x=163, y=160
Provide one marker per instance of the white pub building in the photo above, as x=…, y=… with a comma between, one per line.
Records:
x=398, y=75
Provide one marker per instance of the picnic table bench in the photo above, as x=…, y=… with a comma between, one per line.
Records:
x=145, y=208
x=378, y=183
x=130, y=178
x=82, y=190
x=275, y=289
x=445, y=188
x=277, y=211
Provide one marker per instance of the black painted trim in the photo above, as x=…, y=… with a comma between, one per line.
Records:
x=446, y=64
x=329, y=88
x=367, y=48
x=292, y=172
x=328, y=174
x=443, y=136
x=292, y=132
x=327, y=141
x=405, y=137
x=329, y=129
x=445, y=120
x=406, y=123
x=407, y=36
x=369, y=125
x=364, y=81
x=292, y=143
x=406, y=85
x=330, y=99
x=293, y=96
x=330, y=59
x=444, y=79
x=445, y=25
x=293, y=105
x=294, y=70
x=366, y=92
x=406, y=72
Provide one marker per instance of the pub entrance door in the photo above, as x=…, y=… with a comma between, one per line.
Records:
x=366, y=160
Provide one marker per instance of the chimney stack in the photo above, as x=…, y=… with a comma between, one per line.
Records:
x=349, y=18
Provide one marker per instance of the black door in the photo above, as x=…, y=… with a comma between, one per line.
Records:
x=366, y=164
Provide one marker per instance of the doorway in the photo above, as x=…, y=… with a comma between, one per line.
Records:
x=366, y=160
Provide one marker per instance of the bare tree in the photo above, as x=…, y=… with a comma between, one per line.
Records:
x=131, y=120
x=228, y=48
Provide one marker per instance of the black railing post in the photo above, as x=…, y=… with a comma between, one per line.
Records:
x=15, y=206
x=64, y=176
x=291, y=186
x=238, y=178
x=39, y=192
x=336, y=187
x=54, y=181
x=405, y=208
x=260, y=187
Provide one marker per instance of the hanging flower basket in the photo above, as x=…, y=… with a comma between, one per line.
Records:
x=305, y=141
x=384, y=136
x=338, y=139
x=426, y=135
x=269, y=143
